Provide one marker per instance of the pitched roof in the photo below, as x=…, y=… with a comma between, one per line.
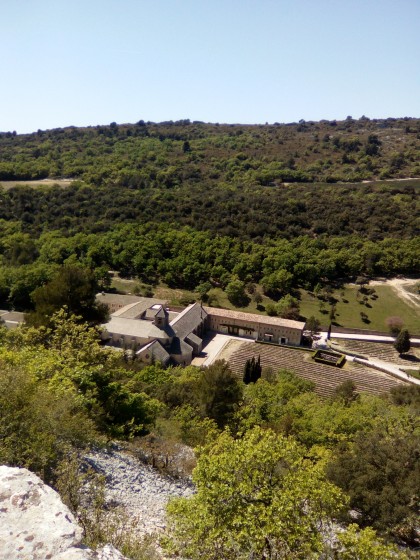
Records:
x=188, y=320
x=157, y=351
x=254, y=318
x=161, y=312
x=193, y=338
x=136, y=309
x=179, y=347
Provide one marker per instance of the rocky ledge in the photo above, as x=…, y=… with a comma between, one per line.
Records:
x=36, y=525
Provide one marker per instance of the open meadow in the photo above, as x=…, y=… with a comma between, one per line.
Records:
x=385, y=302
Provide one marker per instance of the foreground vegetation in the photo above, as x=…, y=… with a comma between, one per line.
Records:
x=60, y=391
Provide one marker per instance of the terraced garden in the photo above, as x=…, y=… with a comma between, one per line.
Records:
x=326, y=378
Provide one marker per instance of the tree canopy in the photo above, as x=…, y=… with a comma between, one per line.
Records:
x=256, y=497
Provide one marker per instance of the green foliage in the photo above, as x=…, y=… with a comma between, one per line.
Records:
x=194, y=206
x=256, y=497
x=212, y=392
x=236, y=294
x=328, y=423
x=68, y=357
x=277, y=283
x=364, y=545
x=37, y=422
x=252, y=371
x=194, y=430
x=72, y=287
x=186, y=258
x=406, y=395
x=346, y=392
x=313, y=325
x=264, y=402
x=380, y=473
x=219, y=393
x=288, y=307
x=402, y=343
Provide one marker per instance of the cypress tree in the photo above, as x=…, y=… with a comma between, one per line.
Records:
x=402, y=343
x=247, y=372
x=256, y=372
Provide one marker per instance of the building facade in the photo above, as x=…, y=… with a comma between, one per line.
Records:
x=256, y=327
x=148, y=328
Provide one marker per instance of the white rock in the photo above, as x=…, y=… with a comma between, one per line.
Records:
x=36, y=525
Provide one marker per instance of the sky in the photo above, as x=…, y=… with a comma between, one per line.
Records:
x=89, y=62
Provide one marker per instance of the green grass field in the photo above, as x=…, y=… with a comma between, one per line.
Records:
x=348, y=309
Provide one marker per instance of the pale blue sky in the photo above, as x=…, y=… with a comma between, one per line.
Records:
x=88, y=62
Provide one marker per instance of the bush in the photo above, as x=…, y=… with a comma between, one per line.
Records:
x=37, y=424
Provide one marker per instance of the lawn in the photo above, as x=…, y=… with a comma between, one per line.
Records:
x=124, y=286
x=349, y=307
x=218, y=298
x=135, y=287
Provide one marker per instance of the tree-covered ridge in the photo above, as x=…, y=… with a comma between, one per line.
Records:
x=186, y=258
x=150, y=154
x=239, y=180
x=239, y=211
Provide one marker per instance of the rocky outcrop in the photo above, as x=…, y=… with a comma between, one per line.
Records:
x=138, y=488
x=36, y=525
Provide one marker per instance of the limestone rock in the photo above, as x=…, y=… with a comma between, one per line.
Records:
x=139, y=489
x=36, y=525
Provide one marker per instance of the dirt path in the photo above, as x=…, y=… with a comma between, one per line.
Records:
x=399, y=286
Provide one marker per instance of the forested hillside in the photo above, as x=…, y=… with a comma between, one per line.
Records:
x=189, y=204
x=245, y=181
x=173, y=153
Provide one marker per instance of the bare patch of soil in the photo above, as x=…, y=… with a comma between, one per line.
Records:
x=41, y=183
x=399, y=286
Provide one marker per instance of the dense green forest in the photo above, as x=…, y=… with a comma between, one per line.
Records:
x=241, y=181
x=186, y=258
x=193, y=204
